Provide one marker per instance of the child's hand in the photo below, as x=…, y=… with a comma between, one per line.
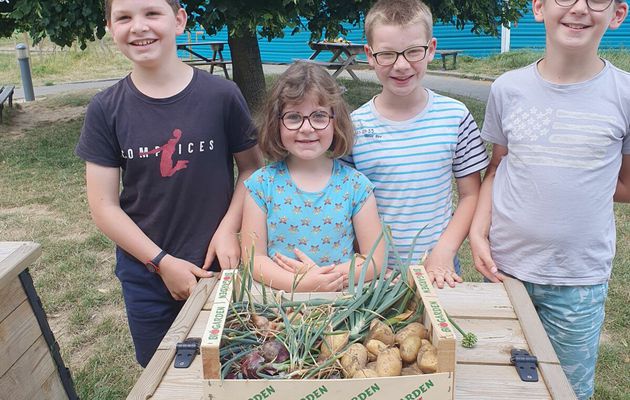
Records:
x=321, y=279
x=482, y=258
x=180, y=276
x=300, y=266
x=225, y=247
x=440, y=270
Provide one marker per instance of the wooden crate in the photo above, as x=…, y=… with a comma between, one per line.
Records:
x=31, y=366
x=501, y=315
x=438, y=386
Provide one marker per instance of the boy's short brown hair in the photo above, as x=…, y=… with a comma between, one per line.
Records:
x=292, y=87
x=400, y=13
x=108, y=7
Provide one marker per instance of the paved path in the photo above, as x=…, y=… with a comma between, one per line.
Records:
x=445, y=83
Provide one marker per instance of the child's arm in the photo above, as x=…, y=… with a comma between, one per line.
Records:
x=367, y=228
x=622, y=194
x=480, y=227
x=178, y=275
x=224, y=244
x=266, y=271
x=439, y=263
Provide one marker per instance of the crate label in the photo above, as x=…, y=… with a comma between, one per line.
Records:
x=440, y=316
x=419, y=387
x=316, y=394
x=214, y=329
x=224, y=293
x=416, y=394
x=420, y=278
x=368, y=392
x=266, y=393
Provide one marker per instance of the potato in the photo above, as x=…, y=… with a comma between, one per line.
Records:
x=380, y=331
x=354, y=359
x=413, y=329
x=333, y=343
x=411, y=369
x=374, y=347
x=389, y=363
x=365, y=373
x=428, y=359
x=409, y=348
x=371, y=365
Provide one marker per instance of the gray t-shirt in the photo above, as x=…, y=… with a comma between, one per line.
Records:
x=552, y=199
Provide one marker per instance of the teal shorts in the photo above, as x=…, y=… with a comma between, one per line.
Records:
x=573, y=317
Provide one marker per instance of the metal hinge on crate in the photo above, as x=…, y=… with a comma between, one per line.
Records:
x=525, y=365
x=186, y=352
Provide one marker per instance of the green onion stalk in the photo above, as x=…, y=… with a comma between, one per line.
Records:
x=469, y=339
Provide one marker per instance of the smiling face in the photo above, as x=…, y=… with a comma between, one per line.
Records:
x=145, y=30
x=577, y=28
x=402, y=78
x=307, y=143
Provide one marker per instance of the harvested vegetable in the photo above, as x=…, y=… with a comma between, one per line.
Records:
x=389, y=363
x=374, y=347
x=365, y=373
x=380, y=331
x=333, y=343
x=354, y=359
x=413, y=329
x=428, y=359
x=409, y=348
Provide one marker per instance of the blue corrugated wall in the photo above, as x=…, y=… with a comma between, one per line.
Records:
x=526, y=34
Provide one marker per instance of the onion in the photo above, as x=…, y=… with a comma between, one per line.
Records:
x=251, y=364
x=274, y=351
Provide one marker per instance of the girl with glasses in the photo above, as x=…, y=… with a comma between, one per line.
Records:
x=304, y=211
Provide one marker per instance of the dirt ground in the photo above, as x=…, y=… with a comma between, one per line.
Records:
x=24, y=116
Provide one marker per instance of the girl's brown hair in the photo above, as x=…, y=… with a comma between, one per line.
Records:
x=298, y=81
x=108, y=7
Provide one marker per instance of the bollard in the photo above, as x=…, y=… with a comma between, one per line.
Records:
x=25, y=71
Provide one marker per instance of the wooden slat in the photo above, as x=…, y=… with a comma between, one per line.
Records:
x=495, y=382
x=33, y=376
x=187, y=316
x=177, y=382
x=18, y=331
x=7, y=248
x=16, y=257
x=163, y=358
x=476, y=300
x=200, y=324
x=11, y=296
x=52, y=389
x=532, y=327
x=556, y=381
x=496, y=338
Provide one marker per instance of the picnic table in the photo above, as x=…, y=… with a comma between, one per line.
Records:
x=196, y=57
x=501, y=315
x=343, y=56
x=446, y=53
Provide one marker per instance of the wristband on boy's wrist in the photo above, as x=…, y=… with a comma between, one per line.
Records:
x=154, y=264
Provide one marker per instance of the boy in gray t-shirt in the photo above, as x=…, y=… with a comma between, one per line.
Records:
x=561, y=154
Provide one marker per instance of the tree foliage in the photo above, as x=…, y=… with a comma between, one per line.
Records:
x=67, y=21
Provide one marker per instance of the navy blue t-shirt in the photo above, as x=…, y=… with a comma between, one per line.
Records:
x=175, y=156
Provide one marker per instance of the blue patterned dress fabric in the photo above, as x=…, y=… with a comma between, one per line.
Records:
x=318, y=223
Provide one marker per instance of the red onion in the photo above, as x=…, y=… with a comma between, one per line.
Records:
x=250, y=365
x=274, y=351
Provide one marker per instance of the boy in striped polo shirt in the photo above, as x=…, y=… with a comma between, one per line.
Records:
x=410, y=142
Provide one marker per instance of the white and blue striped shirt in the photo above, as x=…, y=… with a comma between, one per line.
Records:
x=412, y=164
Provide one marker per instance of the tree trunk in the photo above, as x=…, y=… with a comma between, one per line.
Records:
x=247, y=69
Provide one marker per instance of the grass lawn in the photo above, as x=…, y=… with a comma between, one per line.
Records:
x=42, y=199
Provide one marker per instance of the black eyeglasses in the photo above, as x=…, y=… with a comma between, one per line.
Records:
x=293, y=120
x=411, y=54
x=593, y=5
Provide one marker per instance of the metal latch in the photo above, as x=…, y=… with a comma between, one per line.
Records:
x=186, y=352
x=525, y=365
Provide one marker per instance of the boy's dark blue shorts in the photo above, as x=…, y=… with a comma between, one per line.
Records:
x=151, y=309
